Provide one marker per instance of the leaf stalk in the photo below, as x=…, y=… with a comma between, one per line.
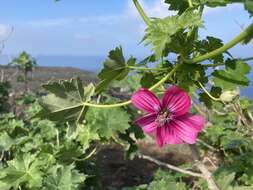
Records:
x=141, y=12
x=243, y=35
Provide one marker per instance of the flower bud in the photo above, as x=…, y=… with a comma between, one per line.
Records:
x=229, y=95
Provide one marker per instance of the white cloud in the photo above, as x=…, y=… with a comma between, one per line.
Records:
x=84, y=37
x=156, y=8
x=5, y=32
x=230, y=8
x=51, y=22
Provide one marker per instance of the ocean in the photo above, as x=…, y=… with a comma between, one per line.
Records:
x=94, y=64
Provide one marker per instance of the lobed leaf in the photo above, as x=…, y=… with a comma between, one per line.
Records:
x=226, y=78
x=161, y=32
x=64, y=103
x=115, y=68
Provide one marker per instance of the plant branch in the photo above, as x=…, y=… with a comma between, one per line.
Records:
x=166, y=77
x=206, y=91
x=247, y=59
x=169, y=166
x=213, y=64
x=108, y=105
x=220, y=64
x=141, y=12
x=205, y=172
x=190, y=3
x=248, y=31
x=148, y=69
x=207, y=145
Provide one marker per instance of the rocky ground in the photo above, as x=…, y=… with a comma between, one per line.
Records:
x=41, y=75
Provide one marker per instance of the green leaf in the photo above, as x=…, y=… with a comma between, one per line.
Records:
x=68, y=152
x=215, y=92
x=106, y=122
x=148, y=80
x=188, y=74
x=176, y=5
x=182, y=5
x=209, y=44
x=64, y=103
x=6, y=142
x=23, y=169
x=115, y=68
x=86, y=135
x=226, y=78
x=165, y=180
x=64, y=178
x=161, y=31
x=249, y=6
x=224, y=180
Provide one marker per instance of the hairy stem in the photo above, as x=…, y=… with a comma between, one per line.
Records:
x=190, y=3
x=205, y=90
x=169, y=166
x=141, y=12
x=248, y=31
x=205, y=172
x=108, y=105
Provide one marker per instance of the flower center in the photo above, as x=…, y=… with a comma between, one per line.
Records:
x=162, y=118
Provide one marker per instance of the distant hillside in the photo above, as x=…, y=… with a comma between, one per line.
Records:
x=44, y=74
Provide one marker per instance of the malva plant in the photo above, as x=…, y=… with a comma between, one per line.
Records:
x=87, y=116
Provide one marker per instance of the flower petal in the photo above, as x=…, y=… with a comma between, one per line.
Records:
x=171, y=137
x=146, y=119
x=145, y=100
x=150, y=128
x=187, y=127
x=147, y=123
x=177, y=101
x=160, y=136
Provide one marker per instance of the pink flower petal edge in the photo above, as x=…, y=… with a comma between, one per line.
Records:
x=177, y=101
x=146, y=101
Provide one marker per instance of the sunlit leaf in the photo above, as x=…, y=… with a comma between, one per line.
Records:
x=107, y=121
x=64, y=103
x=160, y=33
x=23, y=169
x=235, y=73
x=64, y=178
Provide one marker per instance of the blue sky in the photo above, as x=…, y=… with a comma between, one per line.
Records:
x=82, y=27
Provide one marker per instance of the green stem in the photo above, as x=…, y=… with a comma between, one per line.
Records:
x=213, y=64
x=141, y=12
x=220, y=64
x=224, y=48
x=205, y=90
x=166, y=77
x=190, y=3
x=148, y=69
x=107, y=106
x=247, y=59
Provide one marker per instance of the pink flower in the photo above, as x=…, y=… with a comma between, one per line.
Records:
x=169, y=120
